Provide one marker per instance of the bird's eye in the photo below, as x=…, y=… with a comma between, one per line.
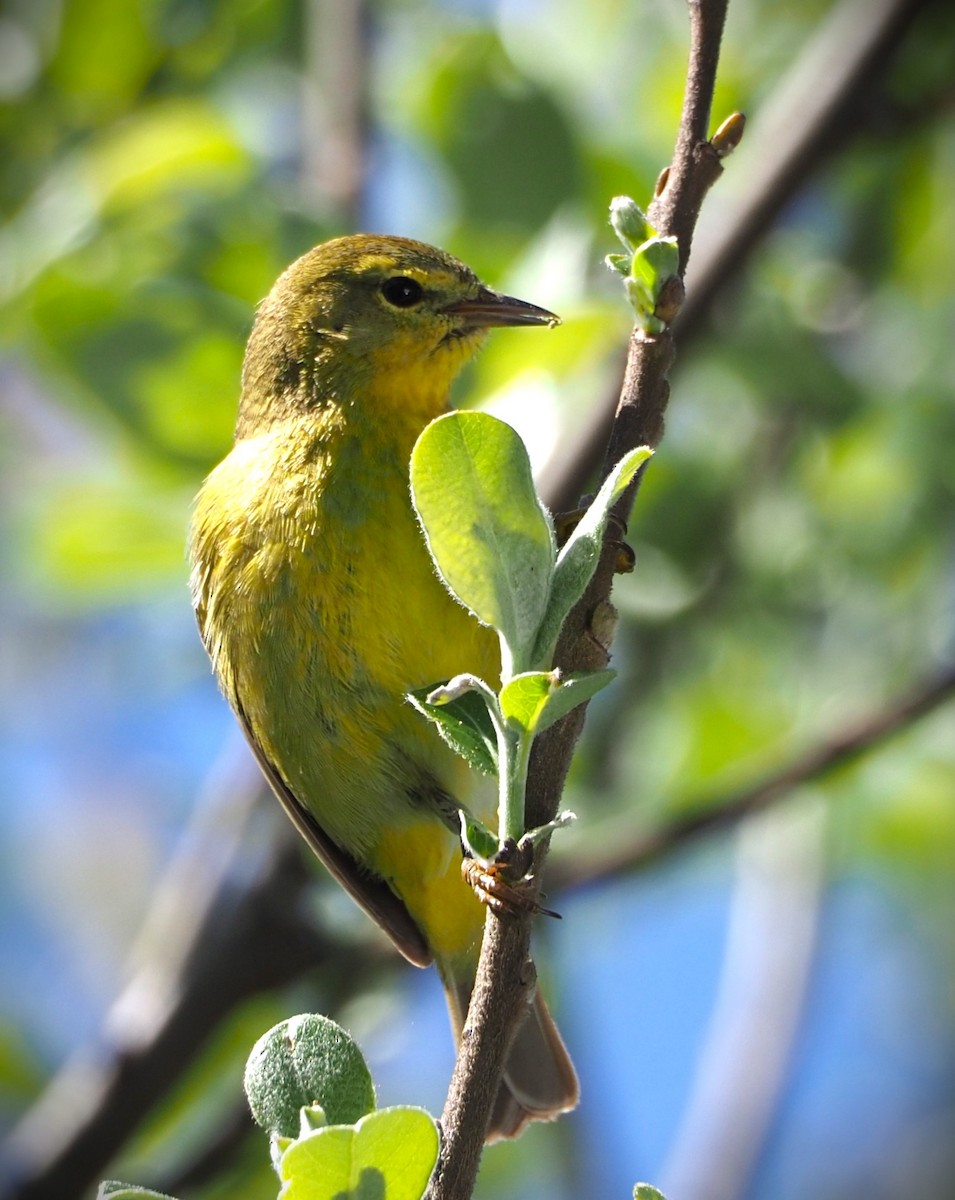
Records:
x=402, y=292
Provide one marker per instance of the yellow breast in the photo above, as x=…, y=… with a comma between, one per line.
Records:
x=320, y=608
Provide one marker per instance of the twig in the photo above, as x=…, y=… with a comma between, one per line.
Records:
x=796, y=133
x=502, y=980
x=815, y=109
x=723, y=812
x=696, y=163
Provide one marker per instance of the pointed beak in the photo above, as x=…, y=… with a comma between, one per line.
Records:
x=488, y=309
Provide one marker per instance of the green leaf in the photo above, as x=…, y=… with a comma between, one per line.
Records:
x=489, y=535
x=641, y=300
x=578, y=557
x=524, y=697
x=656, y=261
x=464, y=723
x=306, y=1060
x=536, y=699
x=481, y=842
x=629, y=222
x=114, y=1190
x=646, y=1191
x=310, y=1118
x=388, y=1155
x=535, y=836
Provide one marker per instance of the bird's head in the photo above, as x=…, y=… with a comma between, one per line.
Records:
x=369, y=319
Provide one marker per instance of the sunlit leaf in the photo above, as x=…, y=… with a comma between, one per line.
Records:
x=579, y=554
x=490, y=538
x=389, y=1154
x=112, y=1189
x=535, y=700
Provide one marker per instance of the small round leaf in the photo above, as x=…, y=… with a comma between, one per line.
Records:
x=302, y=1061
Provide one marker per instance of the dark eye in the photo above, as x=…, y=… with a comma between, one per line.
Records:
x=402, y=292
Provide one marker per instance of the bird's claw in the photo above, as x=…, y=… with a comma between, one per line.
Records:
x=506, y=889
x=624, y=557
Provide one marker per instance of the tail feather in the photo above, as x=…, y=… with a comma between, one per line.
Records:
x=539, y=1081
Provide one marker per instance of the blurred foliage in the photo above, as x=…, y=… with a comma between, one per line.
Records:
x=794, y=535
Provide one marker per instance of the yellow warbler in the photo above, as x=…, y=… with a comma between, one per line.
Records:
x=320, y=609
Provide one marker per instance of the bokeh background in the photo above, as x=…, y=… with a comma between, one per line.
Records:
x=764, y=1012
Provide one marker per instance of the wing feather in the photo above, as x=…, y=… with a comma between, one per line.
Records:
x=368, y=890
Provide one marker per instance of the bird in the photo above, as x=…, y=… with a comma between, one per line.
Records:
x=320, y=608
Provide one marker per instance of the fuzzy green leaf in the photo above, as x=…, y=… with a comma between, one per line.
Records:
x=656, y=261
x=481, y=842
x=306, y=1060
x=536, y=699
x=464, y=723
x=578, y=557
x=629, y=222
x=388, y=1155
x=488, y=533
x=112, y=1189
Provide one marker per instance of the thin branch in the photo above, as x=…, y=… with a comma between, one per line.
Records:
x=696, y=163
x=723, y=812
x=804, y=123
x=503, y=977
x=814, y=111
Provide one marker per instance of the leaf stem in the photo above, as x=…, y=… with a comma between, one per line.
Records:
x=513, y=777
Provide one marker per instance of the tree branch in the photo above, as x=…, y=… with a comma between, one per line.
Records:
x=214, y=937
x=503, y=978
x=808, y=118
x=805, y=122
x=335, y=106
x=723, y=812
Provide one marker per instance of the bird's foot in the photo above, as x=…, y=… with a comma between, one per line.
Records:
x=624, y=557
x=504, y=884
